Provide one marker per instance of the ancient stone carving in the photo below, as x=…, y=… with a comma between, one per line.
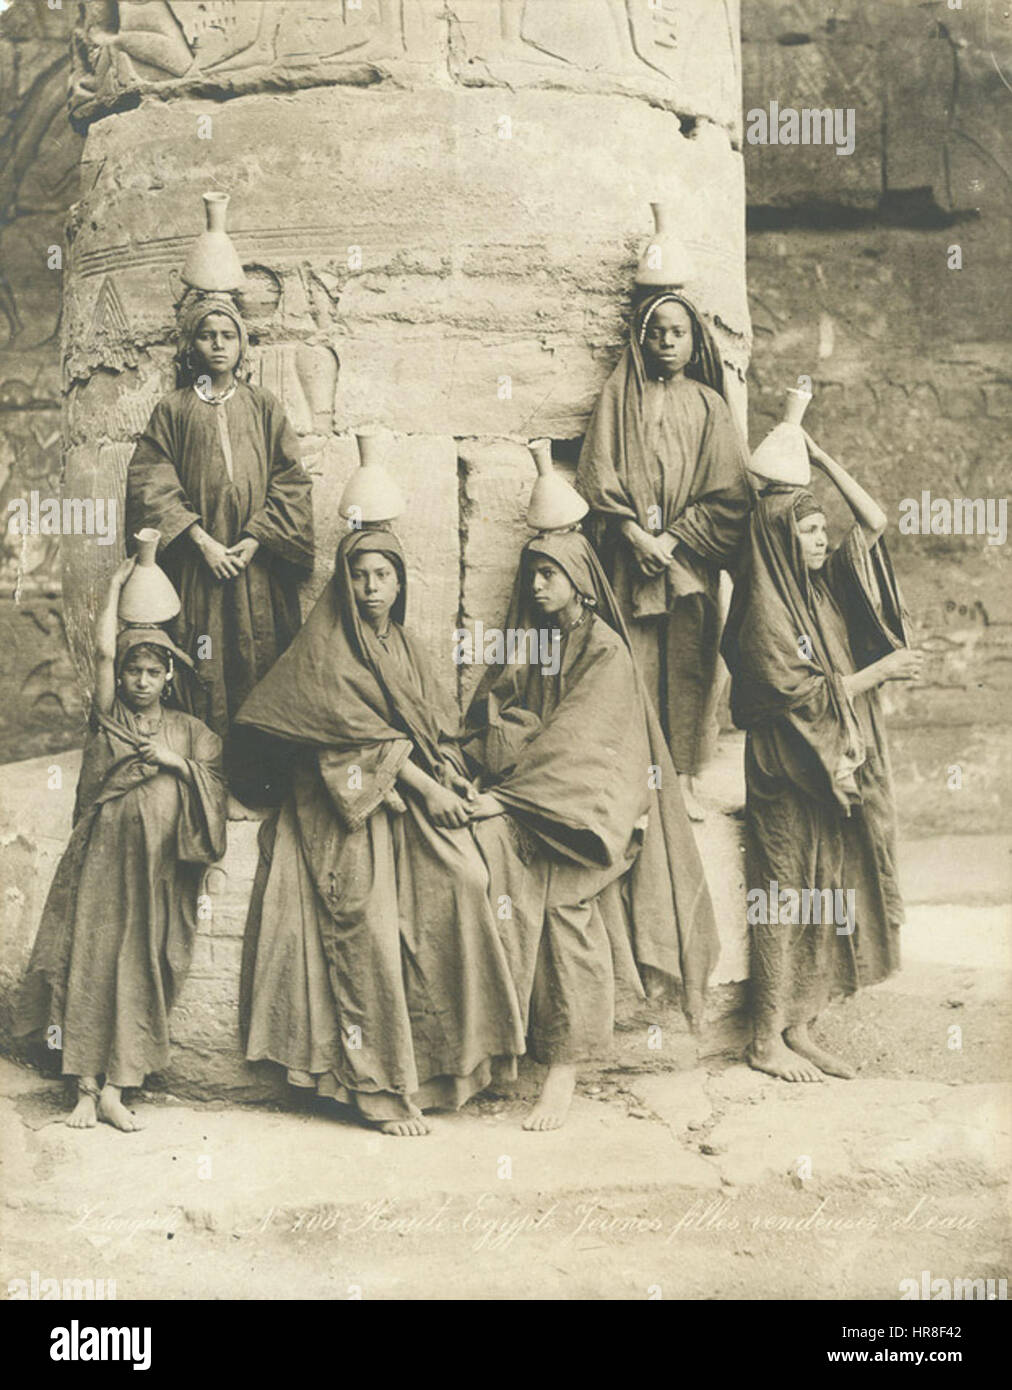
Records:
x=651, y=46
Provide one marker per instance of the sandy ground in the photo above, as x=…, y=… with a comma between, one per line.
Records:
x=671, y=1180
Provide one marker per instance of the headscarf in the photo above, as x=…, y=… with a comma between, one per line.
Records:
x=777, y=650
x=191, y=316
x=806, y=504
x=132, y=637
x=334, y=687
x=704, y=365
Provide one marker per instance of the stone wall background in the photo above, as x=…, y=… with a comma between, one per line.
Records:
x=847, y=282
x=40, y=153
x=911, y=361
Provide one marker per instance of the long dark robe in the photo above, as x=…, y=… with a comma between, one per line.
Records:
x=596, y=858
x=372, y=967
x=819, y=804
x=118, y=927
x=667, y=455
x=179, y=475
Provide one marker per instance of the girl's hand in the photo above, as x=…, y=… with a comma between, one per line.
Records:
x=651, y=553
x=486, y=805
x=462, y=787
x=244, y=551
x=445, y=808
x=903, y=665
x=220, y=561
x=815, y=453
x=123, y=572
x=154, y=751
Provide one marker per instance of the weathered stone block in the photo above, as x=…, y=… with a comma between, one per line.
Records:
x=497, y=480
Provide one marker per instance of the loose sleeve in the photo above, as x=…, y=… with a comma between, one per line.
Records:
x=357, y=779
x=155, y=496
x=284, y=524
x=200, y=835
x=713, y=524
x=579, y=781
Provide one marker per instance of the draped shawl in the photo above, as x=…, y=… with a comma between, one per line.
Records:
x=778, y=651
x=690, y=463
x=337, y=688
x=579, y=780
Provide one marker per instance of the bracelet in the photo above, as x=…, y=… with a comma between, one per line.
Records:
x=87, y=1088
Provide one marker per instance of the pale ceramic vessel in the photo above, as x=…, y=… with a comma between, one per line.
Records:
x=554, y=503
x=371, y=493
x=665, y=260
x=148, y=596
x=212, y=262
x=782, y=457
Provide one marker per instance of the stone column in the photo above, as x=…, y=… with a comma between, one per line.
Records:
x=439, y=206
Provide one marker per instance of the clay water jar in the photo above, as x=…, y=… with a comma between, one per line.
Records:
x=212, y=262
x=148, y=596
x=782, y=457
x=554, y=503
x=665, y=260
x=371, y=494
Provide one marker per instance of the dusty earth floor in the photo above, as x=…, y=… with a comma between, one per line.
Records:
x=673, y=1179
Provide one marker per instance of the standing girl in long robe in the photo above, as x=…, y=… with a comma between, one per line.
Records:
x=372, y=967
x=663, y=469
x=118, y=927
x=582, y=824
x=811, y=635
x=217, y=471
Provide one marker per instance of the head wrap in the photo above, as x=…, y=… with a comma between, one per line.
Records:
x=705, y=364
x=806, y=504
x=778, y=651
x=132, y=637
x=191, y=316
x=335, y=687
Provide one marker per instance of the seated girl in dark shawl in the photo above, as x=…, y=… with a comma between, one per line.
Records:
x=810, y=636
x=118, y=927
x=372, y=969
x=217, y=471
x=581, y=823
x=663, y=468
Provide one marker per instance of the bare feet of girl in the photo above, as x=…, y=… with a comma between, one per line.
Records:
x=798, y=1040
x=405, y=1129
x=112, y=1111
x=777, y=1059
x=83, y=1114
x=553, y=1103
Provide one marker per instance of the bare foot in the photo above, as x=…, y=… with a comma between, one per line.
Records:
x=405, y=1129
x=693, y=810
x=112, y=1111
x=777, y=1059
x=83, y=1114
x=553, y=1103
x=799, y=1041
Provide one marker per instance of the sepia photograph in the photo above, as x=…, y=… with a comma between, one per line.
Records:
x=505, y=658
